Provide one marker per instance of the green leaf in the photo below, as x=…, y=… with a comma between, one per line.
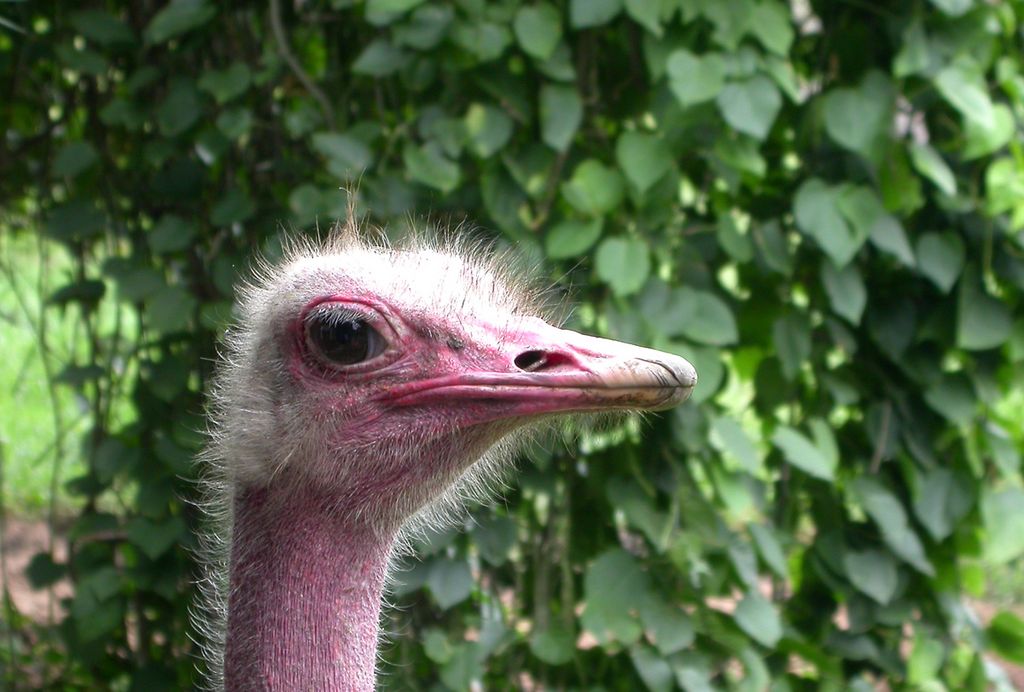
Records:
x=953, y=397
x=155, y=538
x=75, y=220
x=235, y=123
x=227, y=84
x=940, y=257
x=379, y=59
x=177, y=18
x=488, y=129
x=646, y=13
x=983, y=322
x=817, y=212
x=643, y=158
x=915, y=54
x=554, y=645
x=695, y=78
x=484, y=40
x=930, y=164
x=181, y=108
x=1006, y=636
x=623, y=264
x=1004, y=189
x=802, y=453
x=954, y=8
x=710, y=320
x=427, y=165
x=171, y=234
x=380, y=7
x=791, y=335
x=873, y=572
x=887, y=234
x=613, y=590
x=436, y=646
x=572, y=238
x=941, y=501
x=594, y=189
x=538, y=29
x=561, y=112
x=750, y=106
x=983, y=139
x=99, y=26
x=234, y=207
x=1002, y=513
x=964, y=88
x=450, y=582
x=770, y=22
x=495, y=538
x=769, y=549
x=728, y=437
x=886, y=510
x=347, y=156
x=759, y=619
x=858, y=118
x=666, y=626
x=846, y=291
x=652, y=669
x=170, y=309
x=75, y=158
x=587, y=13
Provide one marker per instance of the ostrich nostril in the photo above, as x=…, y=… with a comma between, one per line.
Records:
x=537, y=360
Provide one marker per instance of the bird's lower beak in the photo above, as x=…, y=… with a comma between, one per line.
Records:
x=537, y=369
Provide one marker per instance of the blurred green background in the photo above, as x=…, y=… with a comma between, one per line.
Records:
x=819, y=203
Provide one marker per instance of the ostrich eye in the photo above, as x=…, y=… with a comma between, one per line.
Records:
x=343, y=339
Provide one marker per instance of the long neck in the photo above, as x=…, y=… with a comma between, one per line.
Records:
x=305, y=590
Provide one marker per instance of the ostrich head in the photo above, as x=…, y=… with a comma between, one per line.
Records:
x=363, y=385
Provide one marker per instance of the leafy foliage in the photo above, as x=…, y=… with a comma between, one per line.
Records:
x=821, y=207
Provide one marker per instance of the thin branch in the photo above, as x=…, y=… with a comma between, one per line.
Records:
x=289, y=57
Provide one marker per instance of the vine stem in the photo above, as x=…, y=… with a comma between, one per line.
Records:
x=284, y=48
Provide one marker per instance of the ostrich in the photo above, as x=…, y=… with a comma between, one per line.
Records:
x=365, y=389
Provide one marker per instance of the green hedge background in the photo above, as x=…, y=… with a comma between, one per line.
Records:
x=819, y=203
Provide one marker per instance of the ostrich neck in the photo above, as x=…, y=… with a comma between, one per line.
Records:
x=305, y=594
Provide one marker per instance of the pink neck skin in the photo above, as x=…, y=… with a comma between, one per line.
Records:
x=304, y=603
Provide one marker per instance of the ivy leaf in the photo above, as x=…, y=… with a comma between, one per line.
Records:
x=171, y=234
x=594, y=188
x=572, y=238
x=771, y=23
x=554, y=645
x=845, y=289
x=538, y=29
x=1002, y=512
x=102, y=27
x=155, y=538
x=858, y=118
x=666, y=626
x=983, y=139
x=954, y=8
x=728, y=437
x=488, y=129
x=710, y=321
x=623, y=264
x=940, y=257
x=181, y=108
x=750, y=106
x=227, y=84
x=561, y=112
x=803, y=454
x=450, y=582
x=613, y=591
x=643, y=158
x=817, y=212
x=929, y=163
x=791, y=335
x=652, y=669
x=646, y=13
x=379, y=59
x=75, y=158
x=983, y=322
x=941, y=501
x=588, y=13
x=886, y=510
x=695, y=78
x=347, y=156
x=1006, y=636
x=177, y=18
x=759, y=619
x=873, y=572
x=429, y=166
x=964, y=88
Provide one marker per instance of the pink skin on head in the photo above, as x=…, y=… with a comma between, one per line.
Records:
x=309, y=561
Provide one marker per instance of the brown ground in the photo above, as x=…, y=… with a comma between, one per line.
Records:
x=23, y=539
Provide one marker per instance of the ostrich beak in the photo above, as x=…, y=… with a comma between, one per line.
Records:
x=538, y=368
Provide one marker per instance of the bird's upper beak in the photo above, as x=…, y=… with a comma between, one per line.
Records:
x=535, y=368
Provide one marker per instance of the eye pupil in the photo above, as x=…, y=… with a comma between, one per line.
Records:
x=343, y=342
